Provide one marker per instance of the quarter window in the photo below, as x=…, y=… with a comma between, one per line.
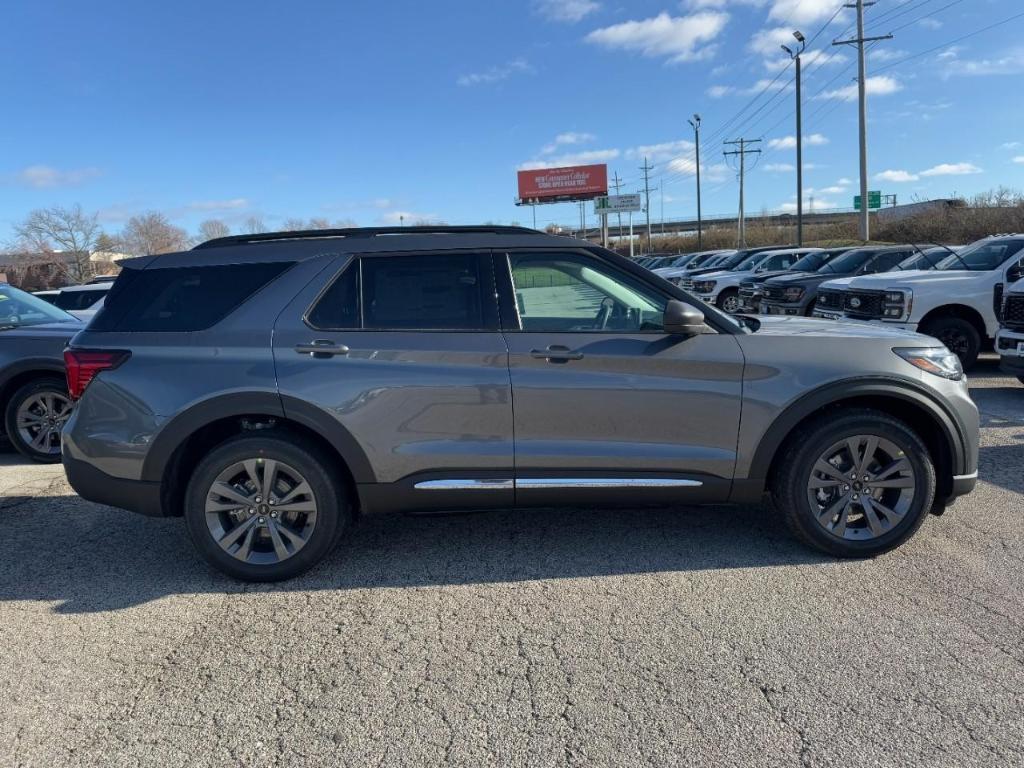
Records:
x=569, y=292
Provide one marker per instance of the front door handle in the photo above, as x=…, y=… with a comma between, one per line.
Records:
x=556, y=353
x=321, y=348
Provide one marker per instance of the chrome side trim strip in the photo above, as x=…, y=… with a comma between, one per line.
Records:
x=464, y=485
x=607, y=482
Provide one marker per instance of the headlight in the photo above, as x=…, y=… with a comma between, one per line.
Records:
x=676, y=280
x=705, y=286
x=794, y=294
x=937, y=360
x=898, y=304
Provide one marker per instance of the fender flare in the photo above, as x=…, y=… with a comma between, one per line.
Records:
x=176, y=431
x=45, y=365
x=897, y=388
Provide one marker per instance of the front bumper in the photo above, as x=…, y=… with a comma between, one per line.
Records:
x=94, y=485
x=780, y=308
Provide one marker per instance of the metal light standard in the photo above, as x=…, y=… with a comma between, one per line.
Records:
x=696, y=141
x=795, y=56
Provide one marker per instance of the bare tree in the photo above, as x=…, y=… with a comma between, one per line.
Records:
x=211, y=229
x=70, y=231
x=254, y=225
x=293, y=225
x=319, y=224
x=152, y=233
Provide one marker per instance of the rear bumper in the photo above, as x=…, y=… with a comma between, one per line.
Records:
x=93, y=485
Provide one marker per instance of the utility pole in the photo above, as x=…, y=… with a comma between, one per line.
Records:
x=795, y=55
x=647, y=198
x=617, y=183
x=865, y=221
x=742, y=153
x=661, y=190
x=696, y=141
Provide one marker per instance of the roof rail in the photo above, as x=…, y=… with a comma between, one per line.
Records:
x=315, y=234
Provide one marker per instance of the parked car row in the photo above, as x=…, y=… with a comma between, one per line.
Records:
x=81, y=301
x=955, y=294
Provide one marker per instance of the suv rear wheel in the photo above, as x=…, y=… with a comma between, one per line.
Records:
x=855, y=484
x=35, y=416
x=265, y=508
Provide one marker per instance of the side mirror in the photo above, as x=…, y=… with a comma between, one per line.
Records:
x=1013, y=274
x=682, y=319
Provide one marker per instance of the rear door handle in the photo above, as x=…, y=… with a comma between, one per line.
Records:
x=556, y=353
x=321, y=348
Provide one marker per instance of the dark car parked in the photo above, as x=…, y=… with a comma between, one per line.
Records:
x=751, y=289
x=272, y=388
x=795, y=294
x=733, y=260
x=33, y=391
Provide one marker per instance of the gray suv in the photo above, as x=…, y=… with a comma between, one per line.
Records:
x=272, y=388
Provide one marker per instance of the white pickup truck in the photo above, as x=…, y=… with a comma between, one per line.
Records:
x=956, y=302
x=1010, y=339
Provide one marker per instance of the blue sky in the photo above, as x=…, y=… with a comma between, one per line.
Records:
x=367, y=111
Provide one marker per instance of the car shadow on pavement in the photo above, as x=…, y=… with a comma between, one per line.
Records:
x=1000, y=464
x=89, y=558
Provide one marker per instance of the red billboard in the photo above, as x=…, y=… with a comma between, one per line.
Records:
x=578, y=182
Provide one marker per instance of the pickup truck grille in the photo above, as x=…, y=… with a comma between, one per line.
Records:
x=1013, y=312
x=774, y=293
x=830, y=300
x=749, y=298
x=686, y=283
x=863, y=304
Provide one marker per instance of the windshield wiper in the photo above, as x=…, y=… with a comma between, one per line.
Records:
x=943, y=247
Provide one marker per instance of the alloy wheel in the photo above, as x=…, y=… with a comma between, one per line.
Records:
x=730, y=304
x=956, y=341
x=861, y=487
x=261, y=511
x=40, y=419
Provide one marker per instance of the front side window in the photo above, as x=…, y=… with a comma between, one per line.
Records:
x=18, y=309
x=570, y=292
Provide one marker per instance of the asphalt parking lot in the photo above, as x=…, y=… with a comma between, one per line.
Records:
x=667, y=637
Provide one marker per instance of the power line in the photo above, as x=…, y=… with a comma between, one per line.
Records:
x=951, y=42
x=927, y=15
x=742, y=153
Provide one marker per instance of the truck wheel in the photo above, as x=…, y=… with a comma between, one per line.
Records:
x=35, y=416
x=959, y=336
x=856, y=483
x=265, y=508
x=729, y=301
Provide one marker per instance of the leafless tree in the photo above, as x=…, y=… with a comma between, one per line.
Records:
x=152, y=233
x=211, y=229
x=293, y=225
x=70, y=231
x=254, y=225
x=319, y=224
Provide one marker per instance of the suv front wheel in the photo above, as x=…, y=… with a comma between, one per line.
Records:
x=265, y=508
x=855, y=484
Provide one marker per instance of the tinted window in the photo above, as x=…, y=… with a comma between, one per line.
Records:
x=429, y=292
x=568, y=292
x=78, y=299
x=339, y=305
x=887, y=261
x=850, y=261
x=180, y=298
x=18, y=309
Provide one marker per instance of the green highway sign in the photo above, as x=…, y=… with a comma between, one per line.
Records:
x=874, y=200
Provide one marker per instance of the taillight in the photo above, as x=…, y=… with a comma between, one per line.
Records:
x=82, y=365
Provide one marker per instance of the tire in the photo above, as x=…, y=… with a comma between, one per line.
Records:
x=34, y=417
x=959, y=336
x=851, y=531
x=266, y=541
x=728, y=300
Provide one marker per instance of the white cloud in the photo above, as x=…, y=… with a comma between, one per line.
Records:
x=811, y=204
x=881, y=54
x=1019, y=159
x=1010, y=63
x=677, y=38
x=660, y=153
x=767, y=42
x=570, y=11
x=801, y=11
x=881, y=85
x=896, y=176
x=765, y=84
x=578, y=158
x=1010, y=145
x=780, y=167
x=497, y=74
x=233, y=204
x=47, y=177
x=718, y=91
x=844, y=182
x=835, y=190
x=409, y=218
x=567, y=139
x=952, y=169
x=789, y=142
x=932, y=24
x=702, y=4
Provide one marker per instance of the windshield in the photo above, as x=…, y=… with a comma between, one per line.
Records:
x=682, y=260
x=850, y=261
x=19, y=309
x=812, y=262
x=927, y=260
x=750, y=262
x=982, y=256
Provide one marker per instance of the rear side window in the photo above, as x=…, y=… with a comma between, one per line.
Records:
x=181, y=298
x=78, y=299
x=423, y=292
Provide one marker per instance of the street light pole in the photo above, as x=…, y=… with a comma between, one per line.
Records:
x=795, y=55
x=696, y=141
